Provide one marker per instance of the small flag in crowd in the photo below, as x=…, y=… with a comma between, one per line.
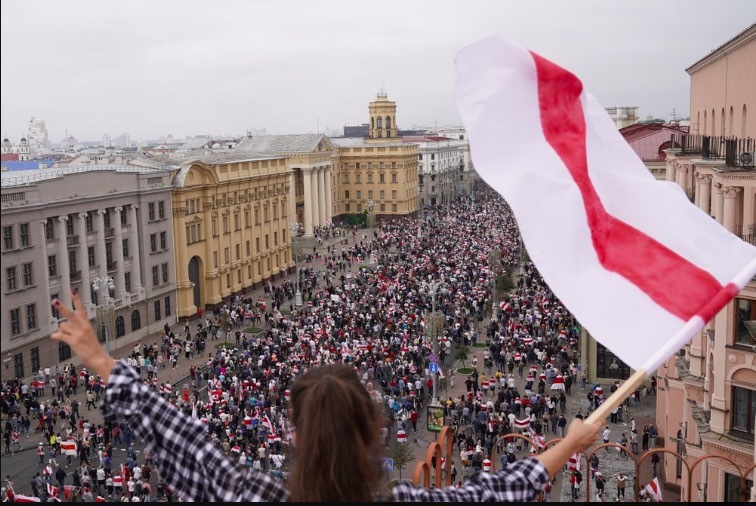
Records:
x=554, y=154
x=522, y=424
x=68, y=447
x=575, y=463
x=52, y=490
x=654, y=490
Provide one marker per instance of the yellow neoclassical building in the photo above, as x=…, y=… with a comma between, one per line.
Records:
x=379, y=169
x=231, y=214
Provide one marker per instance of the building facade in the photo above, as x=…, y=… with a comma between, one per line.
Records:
x=379, y=173
x=81, y=227
x=707, y=393
x=440, y=169
x=231, y=216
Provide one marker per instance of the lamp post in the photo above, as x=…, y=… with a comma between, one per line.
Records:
x=296, y=230
x=369, y=205
x=106, y=310
x=436, y=326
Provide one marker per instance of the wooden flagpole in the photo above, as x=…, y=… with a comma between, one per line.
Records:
x=619, y=395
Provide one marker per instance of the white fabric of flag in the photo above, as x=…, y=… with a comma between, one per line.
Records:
x=610, y=240
x=654, y=490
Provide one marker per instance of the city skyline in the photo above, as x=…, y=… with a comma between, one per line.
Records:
x=91, y=69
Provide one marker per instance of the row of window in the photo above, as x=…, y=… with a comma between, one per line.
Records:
x=269, y=262
x=382, y=207
x=161, y=309
x=358, y=178
x=160, y=206
x=382, y=194
x=9, y=236
x=160, y=274
x=247, y=250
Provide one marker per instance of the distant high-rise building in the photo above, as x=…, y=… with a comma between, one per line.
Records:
x=37, y=137
x=623, y=116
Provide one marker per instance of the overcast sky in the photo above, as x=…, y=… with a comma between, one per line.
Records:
x=153, y=68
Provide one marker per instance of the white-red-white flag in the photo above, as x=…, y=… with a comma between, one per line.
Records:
x=68, y=447
x=52, y=490
x=607, y=237
x=25, y=498
x=575, y=463
x=268, y=424
x=654, y=490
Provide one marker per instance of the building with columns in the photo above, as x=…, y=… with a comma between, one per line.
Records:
x=66, y=228
x=231, y=215
x=706, y=404
x=312, y=178
x=379, y=169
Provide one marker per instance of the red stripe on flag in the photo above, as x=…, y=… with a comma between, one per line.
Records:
x=667, y=278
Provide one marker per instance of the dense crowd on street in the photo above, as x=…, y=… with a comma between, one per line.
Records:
x=367, y=300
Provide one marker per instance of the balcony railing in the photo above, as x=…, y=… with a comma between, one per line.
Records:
x=736, y=152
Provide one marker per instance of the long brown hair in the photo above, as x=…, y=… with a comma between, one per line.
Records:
x=337, y=447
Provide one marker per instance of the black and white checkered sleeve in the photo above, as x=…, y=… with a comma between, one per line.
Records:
x=193, y=466
x=518, y=482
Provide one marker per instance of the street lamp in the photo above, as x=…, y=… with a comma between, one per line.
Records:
x=106, y=310
x=370, y=216
x=296, y=230
x=436, y=326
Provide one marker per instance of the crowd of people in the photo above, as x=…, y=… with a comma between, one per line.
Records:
x=367, y=302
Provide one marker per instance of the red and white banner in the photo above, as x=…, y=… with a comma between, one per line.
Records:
x=522, y=424
x=26, y=498
x=52, y=490
x=268, y=424
x=654, y=490
x=607, y=237
x=575, y=463
x=68, y=447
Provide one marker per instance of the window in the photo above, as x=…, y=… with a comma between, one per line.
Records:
x=370, y=179
x=267, y=242
x=28, y=280
x=90, y=256
x=64, y=352
x=358, y=178
x=394, y=207
x=346, y=207
x=346, y=178
x=10, y=279
x=346, y=194
x=237, y=223
x=23, y=235
x=88, y=222
x=257, y=215
x=257, y=245
x=215, y=259
x=167, y=304
x=275, y=238
x=225, y=224
x=745, y=318
x=275, y=211
x=359, y=194
x=248, y=248
x=136, y=321
x=383, y=194
x=18, y=365
x=214, y=228
x=393, y=194
x=238, y=276
x=164, y=272
x=393, y=166
x=266, y=214
x=52, y=266
x=49, y=229
x=153, y=243
x=226, y=255
x=31, y=316
x=127, y=281
x=609, y=366
x=72, y=263
x=123, y=218
x=55, y=313
x=155, y=276
x=157, y=310
x=733, y=494
x=35, y=362
x=161, y=210
x=383, y=207
x=238, y=251
x=151, y=211
x=69, y=225
x=246, y=218
x=120, y=327
x=109, y=253
x=370, y=194
x=228, y=280
x=15, y=321
x=125, y=247
x=381, y=178
x=394, y=178
x=743, y=410
x=8, y=237
x=163, y=241
x=106, y=218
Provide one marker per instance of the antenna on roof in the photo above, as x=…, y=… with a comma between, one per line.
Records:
x=382, y=92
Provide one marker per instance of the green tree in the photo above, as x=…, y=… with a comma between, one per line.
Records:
x=504, y=285
x=402, y=455
x=461, y=354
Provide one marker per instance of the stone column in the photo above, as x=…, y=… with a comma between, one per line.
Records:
x=730, y=206
x=46, y=308
x=682, y=177
x=306, y=176
x=671, y=174
x=323, y=213
x=292, y=218
x=718, y=202
x=83, y=259
x=328, y=193
x=102, y=260
x=705, y=201
x=136, y=266
x=120, y=281
x=697, y=182
x=65, y=268
x=315, y=197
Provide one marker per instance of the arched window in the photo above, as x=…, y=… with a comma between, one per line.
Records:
x=731, y=125
x=713, y=123
x=705, y=124
x=722, y=126
x=136, y=321
x=379, y=123
x=388, y=122
x=120, y=327
x=744, y=121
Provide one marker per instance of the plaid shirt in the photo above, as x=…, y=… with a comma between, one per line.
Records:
x=194, y=467
x=198, y=470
